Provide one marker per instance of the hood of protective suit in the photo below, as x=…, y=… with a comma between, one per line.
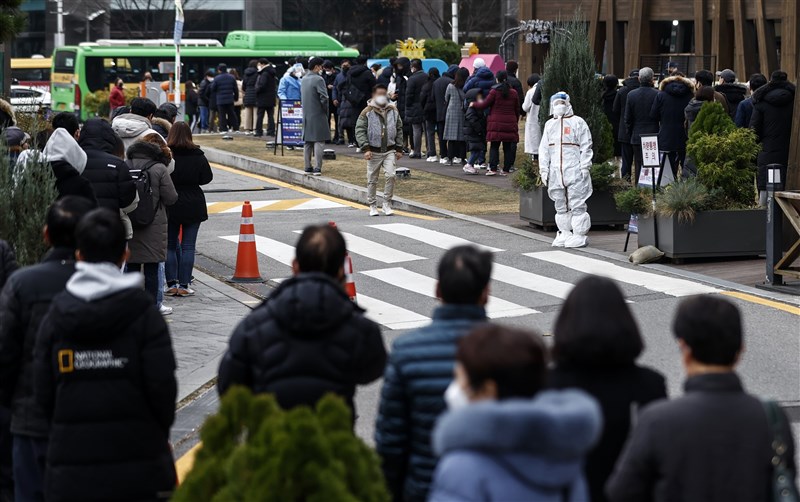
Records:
x=565, y=110
x=94, y=281
x=62, y=146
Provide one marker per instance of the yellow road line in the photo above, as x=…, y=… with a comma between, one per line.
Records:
x=284, y=205
x=218, y=207
x=763, y=301
x=184, y=464
x=307, y=191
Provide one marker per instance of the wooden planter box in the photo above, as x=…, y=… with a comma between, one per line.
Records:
x=536, y=208
x=713, y=234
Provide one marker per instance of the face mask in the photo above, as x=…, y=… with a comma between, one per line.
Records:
x=559, y=110
x=455, y=397
x=381, y=100
x=329, y=72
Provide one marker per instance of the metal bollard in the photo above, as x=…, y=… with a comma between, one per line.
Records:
x=774, y=224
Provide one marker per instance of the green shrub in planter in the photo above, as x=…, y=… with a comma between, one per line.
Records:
x=254, y=451
x=635, y=200
x=727, y=162
x=683, y=199
x=527, y=177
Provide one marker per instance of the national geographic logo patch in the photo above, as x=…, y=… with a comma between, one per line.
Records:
x=69, y=360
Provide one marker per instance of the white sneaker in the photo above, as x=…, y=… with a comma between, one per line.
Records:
x=435, y=158
x=373, y=210
x=561, y=239
x=358, y=150
x=491, y=173
x=164, y=310
x=469, y=169
x=482, y=166
x=387, y=209
x=456, y=160
x=445, y=161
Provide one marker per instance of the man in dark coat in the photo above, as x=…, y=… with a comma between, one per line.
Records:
x=734, y=93
x=307, y=339
x=104, y=374
x=420, y=369
x=249, y=100
x=385, y=76
x=225, y=91
x=23, y=304
x=109, y=175
x=715, y=442
x=329, y=73
x=203, y=96
x=624, y=136
x=415, y=114
x=773, y=105
x=744, y=112
x=361, y=77
x=401, y=73
x=68, y=161
x=512, y=67
x=344, y=109
x=439, y=88
x=637, y=114
x=668, y=111
x=266, y=93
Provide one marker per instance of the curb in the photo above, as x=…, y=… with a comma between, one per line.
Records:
x=359, y=194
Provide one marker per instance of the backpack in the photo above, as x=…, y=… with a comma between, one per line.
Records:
x=145, y=211
x=353, y=94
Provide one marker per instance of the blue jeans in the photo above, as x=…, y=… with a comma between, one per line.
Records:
x=30, y=454
x=204, y=118
x=476, y=156
x=180, y=265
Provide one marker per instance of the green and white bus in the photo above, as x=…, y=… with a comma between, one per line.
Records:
x=92, y=66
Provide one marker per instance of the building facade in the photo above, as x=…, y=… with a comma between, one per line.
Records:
x=746, y=36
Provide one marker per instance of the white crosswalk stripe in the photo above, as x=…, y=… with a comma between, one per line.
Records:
x=278, y=251
x=531, y=282
x=374, y=250
x=432, y=237
x=654, y=282
x=418, y=283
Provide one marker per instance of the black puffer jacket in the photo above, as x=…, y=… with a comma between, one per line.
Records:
x=439, y=89
x=401, y=81
x=414, y=106
x=23, y=304
x=249, y=86
x=668, y=111
x=773, y=105
x=69, y=182
x=203, y=92
x=628, y=85
x=105, y=375
x=515, y=84
x=266, y=87
x=734, y=93
x=474, y=123
x=362, y=78
x=306, y=340
x=8, y=262
x=428, y=100
x=385, y=77
x=109, y=175
x=191, y=171
x=637, y=113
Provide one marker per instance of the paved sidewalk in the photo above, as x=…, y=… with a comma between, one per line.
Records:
x=201, y=326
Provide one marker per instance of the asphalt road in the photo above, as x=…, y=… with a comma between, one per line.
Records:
x=395, y=262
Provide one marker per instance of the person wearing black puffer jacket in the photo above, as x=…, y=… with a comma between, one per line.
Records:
x=266, y=93
x=623, y=136
x=637, y=115
x=734, y=93
x=68, y=162
x=668, y=110
x=429, y=110
x=415, y=114
x=109, y=175
x=361, y=77
x=104, y=375
x=773, y=105
x=249, y=101
x=439, y=90
x=307, y=339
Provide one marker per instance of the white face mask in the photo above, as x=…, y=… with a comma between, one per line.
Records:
x=455, y=397
x=559, y=110
x=381, y=100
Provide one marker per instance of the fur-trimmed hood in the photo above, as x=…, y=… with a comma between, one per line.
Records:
x=146, y=150
x=164, y=124
x=677, y=86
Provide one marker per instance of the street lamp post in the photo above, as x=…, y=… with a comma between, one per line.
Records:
x=58, y=38
x=89, y=18
x=454, y=23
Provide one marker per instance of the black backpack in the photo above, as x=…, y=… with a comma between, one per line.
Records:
x=145, y=211
x=353, y=94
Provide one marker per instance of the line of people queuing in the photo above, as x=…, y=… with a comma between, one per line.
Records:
x=638, y=107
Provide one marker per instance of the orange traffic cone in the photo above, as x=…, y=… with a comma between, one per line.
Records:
x=350, y=283
x=246, y=257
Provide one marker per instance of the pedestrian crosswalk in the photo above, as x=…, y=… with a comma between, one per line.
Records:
x=396, y=286
x=303, y=204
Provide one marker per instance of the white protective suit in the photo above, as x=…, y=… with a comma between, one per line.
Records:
x=565, y=157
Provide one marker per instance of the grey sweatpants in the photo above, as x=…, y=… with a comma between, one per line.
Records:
x=317, y=147
x=387, y=161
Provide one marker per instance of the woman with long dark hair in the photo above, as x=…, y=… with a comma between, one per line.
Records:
x=502, y=126
x=191, y=172
x=454, y=119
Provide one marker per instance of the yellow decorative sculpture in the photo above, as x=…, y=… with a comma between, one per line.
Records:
x=411, y=48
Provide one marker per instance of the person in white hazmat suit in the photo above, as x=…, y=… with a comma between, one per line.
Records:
x=565, y=156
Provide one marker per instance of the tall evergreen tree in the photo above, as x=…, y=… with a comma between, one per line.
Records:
x=570, y=67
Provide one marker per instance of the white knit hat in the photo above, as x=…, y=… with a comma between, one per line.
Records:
x=478, y=63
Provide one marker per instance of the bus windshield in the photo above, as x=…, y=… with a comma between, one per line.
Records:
x=64, y=61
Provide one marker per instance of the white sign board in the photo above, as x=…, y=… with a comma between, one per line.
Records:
x=650, y=155
x=646, y=176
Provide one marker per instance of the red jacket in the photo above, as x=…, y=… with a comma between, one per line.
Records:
x=503, y=121
x=117, y=98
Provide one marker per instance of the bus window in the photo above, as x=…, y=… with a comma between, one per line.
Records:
x=65, y=61
x=95, y=74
